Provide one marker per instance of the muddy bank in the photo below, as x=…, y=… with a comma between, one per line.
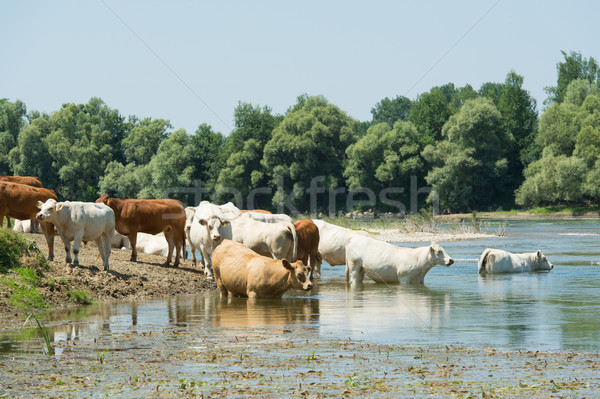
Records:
x=125, y=280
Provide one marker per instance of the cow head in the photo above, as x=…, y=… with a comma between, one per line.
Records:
x=214, y=225
x=47, y=209
x=299, y=275
x=440, y=256
x=190, y=211
x=103, y=199
x=541, y=262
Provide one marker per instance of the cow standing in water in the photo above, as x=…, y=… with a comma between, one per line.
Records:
x=494, y=261
x=152, y=217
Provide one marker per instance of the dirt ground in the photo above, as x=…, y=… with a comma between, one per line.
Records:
x=125, y=280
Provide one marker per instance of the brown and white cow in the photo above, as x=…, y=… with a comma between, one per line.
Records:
x=308, y=245
x=28, y=181
x=19, y=201
x=150, y=216
x=242, y=272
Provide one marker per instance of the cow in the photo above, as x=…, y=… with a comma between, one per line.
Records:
x=152, y=217
x=308, y=245
x=19, y=201
x=80, y=221
x=494, y=261
x=387, y=263
x=119, y=241
x=190, y=211
x=208, y=227
x=277, y=240
x=32, y=181
x=332, y=242
x=269, y=217
x=257, y=211
x=23, y=226
x=242, y=272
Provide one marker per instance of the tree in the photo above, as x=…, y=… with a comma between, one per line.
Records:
x=311, y=141
x=573, y=67
x=384, y=158
x=207, y=156
x=558, y=129
x=243, y=151
x=469, y=169
x=31, y=156
x=123, y=181
x=143, y=140
x=171, y=168
x=389, y=111
x=12, y=120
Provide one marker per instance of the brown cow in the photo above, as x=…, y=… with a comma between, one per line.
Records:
x=150, y=216
x=242, y=272
x=308, y=245
x=28, y=181
x=19, y=201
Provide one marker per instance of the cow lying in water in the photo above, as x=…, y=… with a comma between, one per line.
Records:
x=494, y=261
x=242, y=272
x=387, y=263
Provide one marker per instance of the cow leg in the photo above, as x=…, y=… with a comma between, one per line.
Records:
x=132, y=241
x=315, y=265
x=76, y=244
x=8, y=223
x=178, y=247
x=107, y=238
x=208, y=271
x=353, y=270
x=48, y=230
x=169, y=237
x=100, y=244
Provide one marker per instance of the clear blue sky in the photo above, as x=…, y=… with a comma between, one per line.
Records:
x=192, y=61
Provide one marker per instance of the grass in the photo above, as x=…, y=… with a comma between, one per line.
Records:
x=43, y=332
x=80, y=297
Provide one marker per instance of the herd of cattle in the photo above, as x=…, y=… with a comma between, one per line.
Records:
x=249, y=253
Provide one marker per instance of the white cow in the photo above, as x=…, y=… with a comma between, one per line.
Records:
x=208, y=227
x=269, y=217
x=120, y=241
x=277, y=240
x=80, y=221
x=22, y=226
x=494, y=261
x=190, y=211
x=387, y=263
x=333, y=240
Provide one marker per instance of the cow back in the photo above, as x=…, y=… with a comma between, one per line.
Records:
x=27, y=180
x=19, y=201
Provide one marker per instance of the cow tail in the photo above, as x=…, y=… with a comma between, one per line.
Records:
x=481, y=265
x=295, y=237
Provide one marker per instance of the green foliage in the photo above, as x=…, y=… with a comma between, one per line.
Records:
x=574, y=67
x=469, y=169
x=123, y=181
x=207, y=155
x=80, y=297
x=385, y=157
x=310, y=141
x=143, y=140
x=389, y=111
x=12, y=120
x=553, y=180
x=13, y=247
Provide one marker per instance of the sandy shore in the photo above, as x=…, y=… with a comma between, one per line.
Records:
x=396, y=235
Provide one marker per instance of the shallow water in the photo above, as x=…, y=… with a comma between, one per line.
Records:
x=535, y=311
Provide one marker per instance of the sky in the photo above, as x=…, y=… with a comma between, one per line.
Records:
x=192, y=62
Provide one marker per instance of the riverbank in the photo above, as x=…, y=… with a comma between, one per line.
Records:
x=61, y=286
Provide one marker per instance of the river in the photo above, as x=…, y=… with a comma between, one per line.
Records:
x=546, y=311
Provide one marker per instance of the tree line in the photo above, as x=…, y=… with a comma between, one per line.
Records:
x=478, y=149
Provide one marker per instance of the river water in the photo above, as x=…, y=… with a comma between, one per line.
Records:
x=548, y=311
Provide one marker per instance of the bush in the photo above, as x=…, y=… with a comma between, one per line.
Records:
x=13, y=247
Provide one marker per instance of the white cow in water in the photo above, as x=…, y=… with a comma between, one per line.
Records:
x=333, y=240
x=494, y=261
x=80, y=221
x=208, y=227
x=387, y=263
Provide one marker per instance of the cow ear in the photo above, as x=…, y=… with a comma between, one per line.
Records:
x=432, y=249
x=287, y=264
x=225, y=222
x=39, y=204
x=539, y=254
x=59, y=206
x=202, y=222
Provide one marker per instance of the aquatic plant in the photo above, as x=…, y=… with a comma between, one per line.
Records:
x=43, y=331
